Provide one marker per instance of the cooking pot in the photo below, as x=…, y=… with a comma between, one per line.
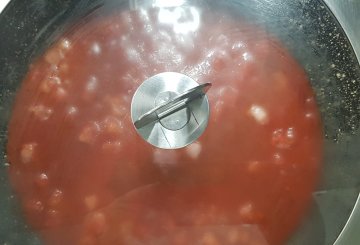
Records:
x=323, y=38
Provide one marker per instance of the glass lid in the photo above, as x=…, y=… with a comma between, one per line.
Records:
x=176, y=122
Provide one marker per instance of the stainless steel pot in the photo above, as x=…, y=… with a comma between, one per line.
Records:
x=347, y=12
x=321, y=35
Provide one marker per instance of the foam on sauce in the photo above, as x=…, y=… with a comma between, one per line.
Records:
x=84, y=176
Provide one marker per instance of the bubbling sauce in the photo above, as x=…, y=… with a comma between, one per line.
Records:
x=84, y=176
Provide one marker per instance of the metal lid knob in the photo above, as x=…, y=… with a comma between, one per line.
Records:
x=170, y=110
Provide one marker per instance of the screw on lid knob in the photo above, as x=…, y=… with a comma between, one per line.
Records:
x=170, y=110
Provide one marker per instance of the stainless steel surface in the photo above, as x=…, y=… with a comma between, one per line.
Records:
x=170, y=110
x=347, y=13
x=3, y=4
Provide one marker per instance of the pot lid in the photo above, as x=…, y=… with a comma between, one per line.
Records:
x=115, y=137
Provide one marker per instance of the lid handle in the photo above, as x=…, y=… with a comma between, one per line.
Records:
x=172, y=106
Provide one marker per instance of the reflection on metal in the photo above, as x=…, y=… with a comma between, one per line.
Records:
x=175, y=17
x=167, y=3
x=177, y=14
x=136, y=4
x=170, y=110
x=3, y=4
x=347, y=12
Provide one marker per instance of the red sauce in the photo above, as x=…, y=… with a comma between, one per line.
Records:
x=84, y=176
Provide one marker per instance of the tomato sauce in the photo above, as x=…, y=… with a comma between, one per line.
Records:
x=84, y=176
